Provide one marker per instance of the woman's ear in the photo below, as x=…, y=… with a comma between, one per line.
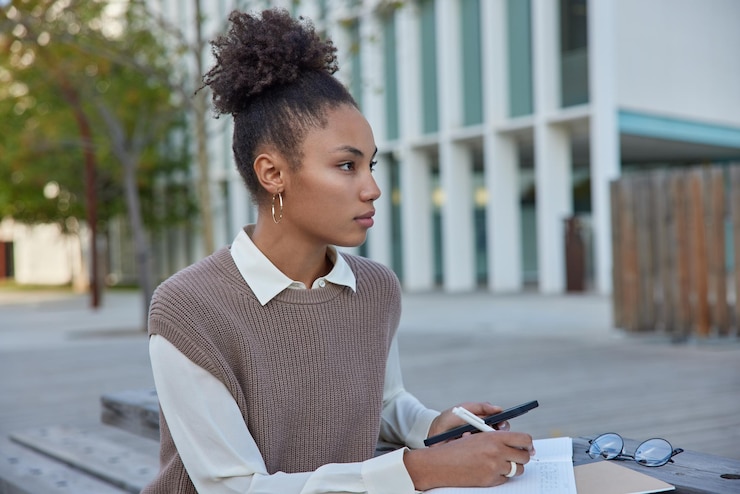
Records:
x=269, y=170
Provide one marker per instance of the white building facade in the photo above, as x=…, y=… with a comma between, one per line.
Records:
x=496, y=120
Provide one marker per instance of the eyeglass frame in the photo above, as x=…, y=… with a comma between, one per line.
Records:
x=623, y=456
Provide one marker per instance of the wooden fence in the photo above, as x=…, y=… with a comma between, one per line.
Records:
x=676, y=251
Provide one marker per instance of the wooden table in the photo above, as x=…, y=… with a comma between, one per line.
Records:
x=690, y=472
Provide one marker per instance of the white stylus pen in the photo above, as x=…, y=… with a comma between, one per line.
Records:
x=472, y=419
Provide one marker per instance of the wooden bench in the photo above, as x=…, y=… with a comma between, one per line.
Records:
x=65, y=459
x=136, y=411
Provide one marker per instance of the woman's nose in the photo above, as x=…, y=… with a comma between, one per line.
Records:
x=371, y=191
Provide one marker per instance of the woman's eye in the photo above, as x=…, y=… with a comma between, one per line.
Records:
x=347, y=166
x=373, y=164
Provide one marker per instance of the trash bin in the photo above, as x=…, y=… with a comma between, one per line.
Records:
x=575, y=256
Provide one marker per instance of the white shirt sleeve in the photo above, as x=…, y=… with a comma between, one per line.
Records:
x=221, y=456
x=404, y=420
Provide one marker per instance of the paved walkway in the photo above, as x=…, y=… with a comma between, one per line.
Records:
x=57, y=356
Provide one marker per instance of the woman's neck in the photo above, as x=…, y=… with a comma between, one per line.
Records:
x=300, y=261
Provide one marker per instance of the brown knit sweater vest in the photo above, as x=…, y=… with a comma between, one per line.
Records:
x=306, y=370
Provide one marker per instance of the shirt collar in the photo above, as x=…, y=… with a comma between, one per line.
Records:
x=267, y=281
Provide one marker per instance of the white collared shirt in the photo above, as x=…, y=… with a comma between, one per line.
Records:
x=215, y=445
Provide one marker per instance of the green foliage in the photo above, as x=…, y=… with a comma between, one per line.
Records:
x=60, y=60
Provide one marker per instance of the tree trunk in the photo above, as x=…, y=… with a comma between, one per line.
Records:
x=83, y=124
x=142, y=250
x=127, y=153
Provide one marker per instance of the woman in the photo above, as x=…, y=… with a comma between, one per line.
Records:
x=275, y=360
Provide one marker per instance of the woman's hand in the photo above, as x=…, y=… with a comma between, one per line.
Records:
x=448, y=420
x=475, y=460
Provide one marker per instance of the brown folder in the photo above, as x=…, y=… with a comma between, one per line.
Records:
x=608, y=477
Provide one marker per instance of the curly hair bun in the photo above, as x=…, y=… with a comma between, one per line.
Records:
x=261, y=52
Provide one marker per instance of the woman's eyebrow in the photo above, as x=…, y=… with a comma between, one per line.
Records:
x=353, y=150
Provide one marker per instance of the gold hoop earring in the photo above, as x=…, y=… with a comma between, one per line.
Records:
x=279, y=218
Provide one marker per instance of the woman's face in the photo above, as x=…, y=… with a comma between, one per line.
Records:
x=329, y=198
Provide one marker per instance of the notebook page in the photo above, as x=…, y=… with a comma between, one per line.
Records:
x=550, y=471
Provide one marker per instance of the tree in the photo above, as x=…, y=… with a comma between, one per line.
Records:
x=82, y=80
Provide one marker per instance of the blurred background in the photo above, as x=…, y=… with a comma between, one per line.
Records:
x=555, y=173
x=505, y=130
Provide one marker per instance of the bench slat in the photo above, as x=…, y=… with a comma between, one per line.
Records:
x=119, y=462
x=23, y=471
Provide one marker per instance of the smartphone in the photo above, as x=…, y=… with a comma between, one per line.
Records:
x=507, y=414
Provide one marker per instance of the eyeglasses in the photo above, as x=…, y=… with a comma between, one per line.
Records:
x=654, y=452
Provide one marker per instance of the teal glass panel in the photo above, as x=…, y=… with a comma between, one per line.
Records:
x=390, y=77
x=479, y=219
x=396, y=232
x=471, y=62
x=519, y=36
x=437, y=244
x=430, y=113
x=322, y=8
x=573, y=52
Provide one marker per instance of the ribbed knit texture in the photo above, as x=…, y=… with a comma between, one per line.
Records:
x=306, y=370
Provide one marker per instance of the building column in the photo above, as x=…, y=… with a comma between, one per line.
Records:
x=416, y=203
x=416, y=221
x=379, y=241
x=500, y=158
x=604, y=134
x=242, y=210
x=503, y=216
x=554, y=203
x=455, y=161
x=552, y=153
x=458, y=251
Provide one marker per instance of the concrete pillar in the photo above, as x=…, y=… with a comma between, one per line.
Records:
x=604, y=134
x=409, y=73
x=551, y=149
x=416, y=221
x=500, y=156
x=458, y=251
x=503, y=216
x=455, y=161
x=240, y=205
x=379, y=241
x=554, y=203
x=416, y=207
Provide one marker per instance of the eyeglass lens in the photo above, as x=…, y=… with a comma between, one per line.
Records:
x=652, y=453
x=607, y=446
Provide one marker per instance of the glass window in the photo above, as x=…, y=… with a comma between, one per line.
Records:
x=519, y=54
x=396, y=233
x=480, y=199
x=573, y=52
x=429, y=67
x=438, y=198
x=471, y=62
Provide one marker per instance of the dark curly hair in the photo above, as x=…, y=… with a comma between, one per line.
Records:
x=274, y=75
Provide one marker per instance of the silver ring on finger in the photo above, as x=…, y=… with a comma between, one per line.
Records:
x=512, y=472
